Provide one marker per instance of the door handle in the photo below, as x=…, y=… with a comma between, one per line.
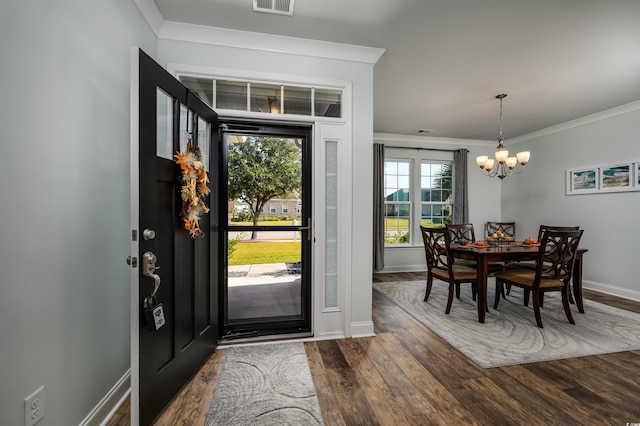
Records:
x=308, y=227
x=149, y=268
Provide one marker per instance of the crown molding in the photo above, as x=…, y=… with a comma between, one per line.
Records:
x=430, y=140
x=588, y=119
x=170, y=30
x=151, y=14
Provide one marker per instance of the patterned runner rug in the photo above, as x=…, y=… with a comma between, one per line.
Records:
x=267, y=384
x=510, y=335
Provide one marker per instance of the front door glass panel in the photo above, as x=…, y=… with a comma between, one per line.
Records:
x=164, y=124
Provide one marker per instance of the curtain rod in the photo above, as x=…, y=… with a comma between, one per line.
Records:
x=423, y=149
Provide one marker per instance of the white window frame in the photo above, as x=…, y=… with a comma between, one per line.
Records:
x=415, y=157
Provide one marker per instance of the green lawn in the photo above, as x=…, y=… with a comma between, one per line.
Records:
x=260, y=252
x=263, y=223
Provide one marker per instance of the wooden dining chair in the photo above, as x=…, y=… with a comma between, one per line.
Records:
x=531, y=266
x=508, y=229
x=462, y=233
x=440, y=264
x=554, y=268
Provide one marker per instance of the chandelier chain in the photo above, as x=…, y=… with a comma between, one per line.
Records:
x=501, y=118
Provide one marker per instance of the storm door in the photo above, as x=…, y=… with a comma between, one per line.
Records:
x=268, y=231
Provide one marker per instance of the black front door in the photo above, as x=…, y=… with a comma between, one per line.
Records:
x=187, y=268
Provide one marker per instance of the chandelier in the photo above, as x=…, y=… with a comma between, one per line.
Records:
x=503, y=165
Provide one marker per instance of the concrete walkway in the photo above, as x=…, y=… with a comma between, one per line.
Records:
x=271, y=273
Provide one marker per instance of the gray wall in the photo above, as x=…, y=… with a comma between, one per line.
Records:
x=64, y=209
x=610, y=220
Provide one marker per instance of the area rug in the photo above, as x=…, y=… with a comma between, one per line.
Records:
x=509, y=334
x=263, y=385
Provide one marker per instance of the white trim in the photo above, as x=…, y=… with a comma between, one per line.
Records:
x=612, y=290
x=268, y=42
x=362, y=329
x=170, y=30
x=334, y=335
x=403, y=268
x=151, y=14
x=603, y=115
x=109, y=404
x=134, y=246
x=410, y=141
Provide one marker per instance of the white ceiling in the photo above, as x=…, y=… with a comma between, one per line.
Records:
x=446, y=60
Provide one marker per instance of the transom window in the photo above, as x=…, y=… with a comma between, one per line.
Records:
x=418, y=191
x=265, y=97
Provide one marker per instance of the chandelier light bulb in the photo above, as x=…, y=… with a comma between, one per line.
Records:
x=489, y=164
x=523, y=157
x=511, y=162
x=502, y=155
x=482, y=160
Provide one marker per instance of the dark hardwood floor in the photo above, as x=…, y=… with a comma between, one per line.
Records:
x=408, y=375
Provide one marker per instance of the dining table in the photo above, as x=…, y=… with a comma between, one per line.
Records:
x=488, y=253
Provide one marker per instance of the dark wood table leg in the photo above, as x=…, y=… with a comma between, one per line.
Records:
x=483, y=273
x=577, y=281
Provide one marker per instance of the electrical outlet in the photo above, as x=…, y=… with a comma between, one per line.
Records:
x=34, y=407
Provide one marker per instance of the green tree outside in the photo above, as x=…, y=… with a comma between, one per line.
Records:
x=262, y=168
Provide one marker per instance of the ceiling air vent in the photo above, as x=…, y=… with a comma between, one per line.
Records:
x=279, y=7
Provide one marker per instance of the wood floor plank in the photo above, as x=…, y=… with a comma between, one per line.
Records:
x=559, y=404
x=348, y=395
x=329, y=407
x=191, y=404
x=382, y=399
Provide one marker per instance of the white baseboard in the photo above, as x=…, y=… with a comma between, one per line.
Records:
x=362, y=329
x=403, y=268
x=328, y=336
x=107, y=407
x=612, y=290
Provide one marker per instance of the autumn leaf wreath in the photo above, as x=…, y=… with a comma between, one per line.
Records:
x=194, y=187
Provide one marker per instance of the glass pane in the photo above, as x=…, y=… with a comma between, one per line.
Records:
x=202, y=87
x=297, y=100
x=265, y=98
x=204, y=130
x=331, y=220
x=264, y=276
x=231, y=95
x=265, y=173
x=327, y=103
x=164, y=125
x=397, y=223
x=185, y=126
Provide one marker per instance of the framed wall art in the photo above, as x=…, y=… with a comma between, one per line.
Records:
x=582, y=181
x=615, y=178
x=606, y=178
